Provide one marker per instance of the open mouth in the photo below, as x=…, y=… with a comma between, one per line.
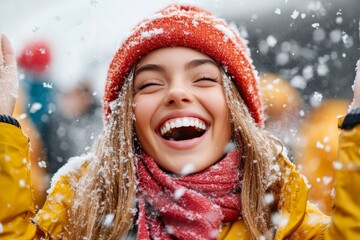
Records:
x=181, y=129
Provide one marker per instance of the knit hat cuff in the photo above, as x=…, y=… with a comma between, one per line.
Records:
x=195, y=28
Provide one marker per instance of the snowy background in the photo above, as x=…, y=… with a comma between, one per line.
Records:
x=313, y=44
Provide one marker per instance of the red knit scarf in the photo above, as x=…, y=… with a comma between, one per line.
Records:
x=187, y=207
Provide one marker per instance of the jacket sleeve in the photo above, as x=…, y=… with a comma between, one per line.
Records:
x=17, y=213
x=302, y=220
x=53, y=217
x=298, y=218
x=345, y=220
x=16, y=200
x=346, y=216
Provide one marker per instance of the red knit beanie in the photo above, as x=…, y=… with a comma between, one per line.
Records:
x=192, y=27
x=35, y=57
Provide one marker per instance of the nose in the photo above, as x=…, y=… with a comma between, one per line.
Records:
x=178, y=95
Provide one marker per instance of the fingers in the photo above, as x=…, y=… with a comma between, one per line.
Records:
x=1, y=52
x=356, y=87
x=7, y=55
x=8, y=77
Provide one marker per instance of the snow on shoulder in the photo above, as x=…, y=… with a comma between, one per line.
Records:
x=73, y=165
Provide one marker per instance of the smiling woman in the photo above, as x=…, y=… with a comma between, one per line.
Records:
x=171, y=95
x=183, y=154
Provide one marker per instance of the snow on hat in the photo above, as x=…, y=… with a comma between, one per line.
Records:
x=188, y=26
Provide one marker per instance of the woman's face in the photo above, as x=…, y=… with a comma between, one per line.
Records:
x=182, y=119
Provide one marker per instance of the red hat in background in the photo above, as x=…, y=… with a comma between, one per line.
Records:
x=192, y=27
x=35, y=57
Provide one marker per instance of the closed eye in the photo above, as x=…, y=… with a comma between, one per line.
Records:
x=207, y=79
x=148, y=84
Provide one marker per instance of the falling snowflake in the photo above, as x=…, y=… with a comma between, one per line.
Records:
x=337, y=165
x=187, y=169
x=295, y=14
x=278, y=11
x=319, y=35
x=344, y=37
x=22, y=183
x=322, y=69
x=308, y=72
x=316, y=99
x=327, y=180
x=282, y=58
x=269, y=198
x=35, y=29
x=109, y=218
x=317, y=7
x=271, y=41
x=335, y=36
x=42, y=164
x=319, y=145
x=47, y=85
x=315, y=25
x=298, y=82
x=339, y=20
x=179, y=193
x=275, y=218
x=254, y=17
x=35, y=107
x=94, y=2
x=302, y=113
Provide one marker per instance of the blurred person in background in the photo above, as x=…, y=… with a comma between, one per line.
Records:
x=32, y=108
x=312, y=151
x=67, y=118
x=283, y=107
x=316, y=151
x=35, y=61
x=74, y=125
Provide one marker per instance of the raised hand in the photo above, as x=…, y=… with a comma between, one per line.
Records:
x=8, y=77
x=356, y=101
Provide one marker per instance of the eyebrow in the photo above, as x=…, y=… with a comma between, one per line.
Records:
x=190, y=65
x=197, y=62
x=150, y=67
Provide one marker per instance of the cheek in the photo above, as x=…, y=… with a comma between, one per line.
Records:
x=141, y=114
x=216, y=104
x=218, y=108
x=144, y=110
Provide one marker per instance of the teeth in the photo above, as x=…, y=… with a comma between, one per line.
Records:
x=178, y=123
x=186, y=122
x=182, y=122
x=192, y=122
x=197, y=123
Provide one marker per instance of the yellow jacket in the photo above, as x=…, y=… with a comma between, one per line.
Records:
x=298, y=219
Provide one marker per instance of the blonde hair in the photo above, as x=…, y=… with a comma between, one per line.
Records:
x=258, y=151
x=107, y=188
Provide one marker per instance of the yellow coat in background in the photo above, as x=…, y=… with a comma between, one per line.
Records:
x=297, y=218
